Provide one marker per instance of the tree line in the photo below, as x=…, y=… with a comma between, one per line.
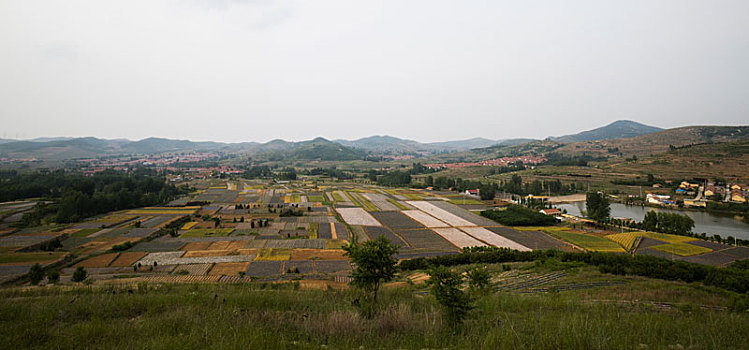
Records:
x=73, y=197
x=734, y=278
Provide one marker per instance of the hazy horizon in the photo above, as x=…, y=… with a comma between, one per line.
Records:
x=430, y=71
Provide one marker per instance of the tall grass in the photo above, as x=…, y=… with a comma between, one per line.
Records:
x=259, y=315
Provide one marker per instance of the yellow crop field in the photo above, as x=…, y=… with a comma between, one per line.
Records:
x=189, y=225
x=274, y=254
x=682, y=249
x=668, y=238
x=625, y=240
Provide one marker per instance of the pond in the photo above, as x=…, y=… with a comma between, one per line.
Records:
x=710, y=223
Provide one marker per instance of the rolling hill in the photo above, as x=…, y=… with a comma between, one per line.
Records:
x=616, y=130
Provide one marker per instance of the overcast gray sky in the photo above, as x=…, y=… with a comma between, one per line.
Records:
x=256, y=70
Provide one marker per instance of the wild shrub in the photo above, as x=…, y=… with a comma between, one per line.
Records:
x=53, y=277
x=36, y=274
x=479, y=279
x=80, y=274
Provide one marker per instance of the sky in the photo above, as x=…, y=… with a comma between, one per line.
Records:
x=257, y=70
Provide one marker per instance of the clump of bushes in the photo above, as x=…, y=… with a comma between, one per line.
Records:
x=122, y=247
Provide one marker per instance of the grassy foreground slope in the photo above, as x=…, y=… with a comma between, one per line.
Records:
x=256, y=315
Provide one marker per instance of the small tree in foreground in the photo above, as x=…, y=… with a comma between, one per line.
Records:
x=36, y=274
x=445, y=286
x=80, y=274
x=374, y=264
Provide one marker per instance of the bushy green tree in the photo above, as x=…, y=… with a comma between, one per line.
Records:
x=374, y=264
x=598, y=206
x=445, y=286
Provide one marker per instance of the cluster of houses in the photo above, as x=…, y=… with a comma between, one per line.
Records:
x=730, y=193
x=735, y=193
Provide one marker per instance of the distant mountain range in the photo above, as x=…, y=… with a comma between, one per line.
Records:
x=394, y=145
x=58, y=148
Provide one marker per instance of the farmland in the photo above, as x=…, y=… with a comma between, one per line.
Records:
x=681, y=249
x=588, y=242
x=238, y=241
x=238, y=226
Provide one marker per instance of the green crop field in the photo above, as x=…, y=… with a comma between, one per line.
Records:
x=32, y=257
x=316, y=198
x=682, y=249
x=360, y=201
x=85, y=232
x=588, y=242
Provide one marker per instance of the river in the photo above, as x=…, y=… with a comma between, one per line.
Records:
x=710, y=223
